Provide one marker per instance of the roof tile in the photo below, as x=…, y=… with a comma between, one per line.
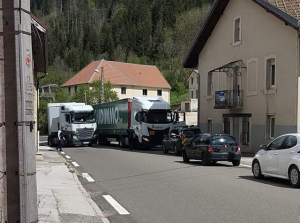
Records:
x=291, y=7
x=118, y=73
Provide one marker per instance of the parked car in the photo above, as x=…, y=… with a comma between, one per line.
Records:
x=177, y=138
x=280, y=158
x=212, y=148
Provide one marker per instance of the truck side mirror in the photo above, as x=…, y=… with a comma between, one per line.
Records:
x=176, y=117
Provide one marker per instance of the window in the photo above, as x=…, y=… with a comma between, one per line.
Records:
x=123, y=90
x=276, y=144
x=192, y=94
x=75, y=88
x=192, y=81
x=291, y=142
x=270, y=126
x=69, y=88
x=68, y=118
x=159, y=92
x=209, y=125
x=270, y=73
x=237, y=30
x=144, y=91
x=209, y=84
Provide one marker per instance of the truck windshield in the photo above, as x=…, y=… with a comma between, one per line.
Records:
x=83, y=117
x=157, y=116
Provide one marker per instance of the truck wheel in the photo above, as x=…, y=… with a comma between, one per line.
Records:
x=50, y=141
x=121, y=142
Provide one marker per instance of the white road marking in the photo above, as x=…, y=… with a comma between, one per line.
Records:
x=245, y=165
x=116, y=205
x=105, y=220
x=62, y=152
x=68, y=157
x=85, y=175
x=90, y=179
x=75, y=164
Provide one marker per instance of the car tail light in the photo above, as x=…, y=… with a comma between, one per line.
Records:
x=210, y=149
x=182, y=136
x=238, y=149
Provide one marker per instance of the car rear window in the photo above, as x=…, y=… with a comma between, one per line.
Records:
x=217, y=140
x=191, y=132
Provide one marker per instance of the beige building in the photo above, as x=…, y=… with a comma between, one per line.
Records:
x=247, y=53
x=128, y=80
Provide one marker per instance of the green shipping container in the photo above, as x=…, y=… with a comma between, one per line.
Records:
x=112, y=117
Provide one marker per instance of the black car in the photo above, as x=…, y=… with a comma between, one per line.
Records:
x=177, y=138
x=212, y=148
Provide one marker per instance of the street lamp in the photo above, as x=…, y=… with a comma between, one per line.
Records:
x=102, y=85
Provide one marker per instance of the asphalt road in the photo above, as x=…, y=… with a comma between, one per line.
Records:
x=158, y=188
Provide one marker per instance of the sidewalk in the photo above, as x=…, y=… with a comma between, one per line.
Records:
x=61, y=197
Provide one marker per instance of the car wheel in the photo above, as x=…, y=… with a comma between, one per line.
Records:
x=236, y=162
x=294, y=176
x=164, y=149
x=256, y=170
x=205, y=160
x=185, y=157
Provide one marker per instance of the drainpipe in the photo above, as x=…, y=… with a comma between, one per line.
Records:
x=297, y=104
x=199, y=93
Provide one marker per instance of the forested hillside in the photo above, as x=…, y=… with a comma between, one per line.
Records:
x=137, y=31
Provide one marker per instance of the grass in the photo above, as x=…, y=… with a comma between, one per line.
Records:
x=173, y=98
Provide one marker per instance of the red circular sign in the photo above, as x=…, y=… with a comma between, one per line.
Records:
x=28, y=60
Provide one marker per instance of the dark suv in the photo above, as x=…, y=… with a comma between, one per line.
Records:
x=177, y=138
x=212, y=148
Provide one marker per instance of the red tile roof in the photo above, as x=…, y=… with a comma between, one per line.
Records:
x=291, y=7
x=118, y=73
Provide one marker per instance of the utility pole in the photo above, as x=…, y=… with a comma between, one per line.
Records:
x=102, y=85
x=21, y=189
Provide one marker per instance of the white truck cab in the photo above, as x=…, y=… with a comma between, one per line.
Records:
x=78, y=122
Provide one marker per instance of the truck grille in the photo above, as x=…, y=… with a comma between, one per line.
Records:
x=85, y=133
x=157, y=138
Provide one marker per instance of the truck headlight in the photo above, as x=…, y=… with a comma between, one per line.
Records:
x=145, y=139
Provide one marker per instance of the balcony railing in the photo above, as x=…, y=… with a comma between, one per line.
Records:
x=228, y=99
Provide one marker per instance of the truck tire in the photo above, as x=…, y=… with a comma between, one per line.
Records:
x=50, y=141
x=121, y=142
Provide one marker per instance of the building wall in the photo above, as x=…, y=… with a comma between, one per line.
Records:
x=193, y=85
x=262, y=35
x=133, y=91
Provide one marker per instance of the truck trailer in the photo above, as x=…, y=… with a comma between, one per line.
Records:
x=140, y=122
x=78, y=122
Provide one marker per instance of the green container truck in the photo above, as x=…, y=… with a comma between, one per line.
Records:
x=140, y=122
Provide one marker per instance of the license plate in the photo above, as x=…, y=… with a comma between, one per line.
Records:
x=158, y=146
x=85, y=143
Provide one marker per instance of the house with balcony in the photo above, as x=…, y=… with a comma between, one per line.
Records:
x=248, y=56
x=191, y=103
x=128, y=80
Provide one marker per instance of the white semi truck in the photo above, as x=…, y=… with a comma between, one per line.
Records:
x=78, y=122
x=140, y=122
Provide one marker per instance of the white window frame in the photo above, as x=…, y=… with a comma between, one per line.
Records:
x=160, y=92
x=270, y=131
x=122, y=90
x=145, y=91
x=252, y=93
x=210, y=85
x=270, y=89
x=234, y=41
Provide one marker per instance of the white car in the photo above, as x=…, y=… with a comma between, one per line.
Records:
x=280, y=158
